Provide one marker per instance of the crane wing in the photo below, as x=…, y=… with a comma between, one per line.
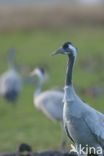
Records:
x=95, y=122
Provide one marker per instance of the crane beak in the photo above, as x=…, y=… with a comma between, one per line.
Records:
x=58, y=51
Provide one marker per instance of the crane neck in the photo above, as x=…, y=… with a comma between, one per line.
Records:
x=39, y=86
x=11, y=59
x=11, y=65
x=71, y=60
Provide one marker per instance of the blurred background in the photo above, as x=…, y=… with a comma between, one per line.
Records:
x=36, y=28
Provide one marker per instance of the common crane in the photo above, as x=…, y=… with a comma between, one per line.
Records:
x=83, y=124
x=49, y=102
x=10, y=81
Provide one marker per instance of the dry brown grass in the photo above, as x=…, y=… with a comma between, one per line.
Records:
x=13, y=18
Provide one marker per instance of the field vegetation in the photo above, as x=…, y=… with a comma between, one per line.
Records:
x=35, y=34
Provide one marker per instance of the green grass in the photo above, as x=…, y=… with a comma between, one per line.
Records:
x=24, y=123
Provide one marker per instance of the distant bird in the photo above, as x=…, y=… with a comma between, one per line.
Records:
x=24, y=150
x=50, y=101
x=10, y=81
x=83, y=124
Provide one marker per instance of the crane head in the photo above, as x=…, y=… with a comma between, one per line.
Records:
x=40, y=72
x=67, y=49
x=24, y=149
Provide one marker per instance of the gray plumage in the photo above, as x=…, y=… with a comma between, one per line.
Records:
x=50, y=101
x=10, y=81
x=83, y=123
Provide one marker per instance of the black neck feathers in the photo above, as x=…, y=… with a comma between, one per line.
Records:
x=69, y=70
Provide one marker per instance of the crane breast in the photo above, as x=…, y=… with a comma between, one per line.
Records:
x=50, y=103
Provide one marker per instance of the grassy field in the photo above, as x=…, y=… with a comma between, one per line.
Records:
x=23, y=123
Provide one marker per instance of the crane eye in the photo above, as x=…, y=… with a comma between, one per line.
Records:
x=66, y=45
